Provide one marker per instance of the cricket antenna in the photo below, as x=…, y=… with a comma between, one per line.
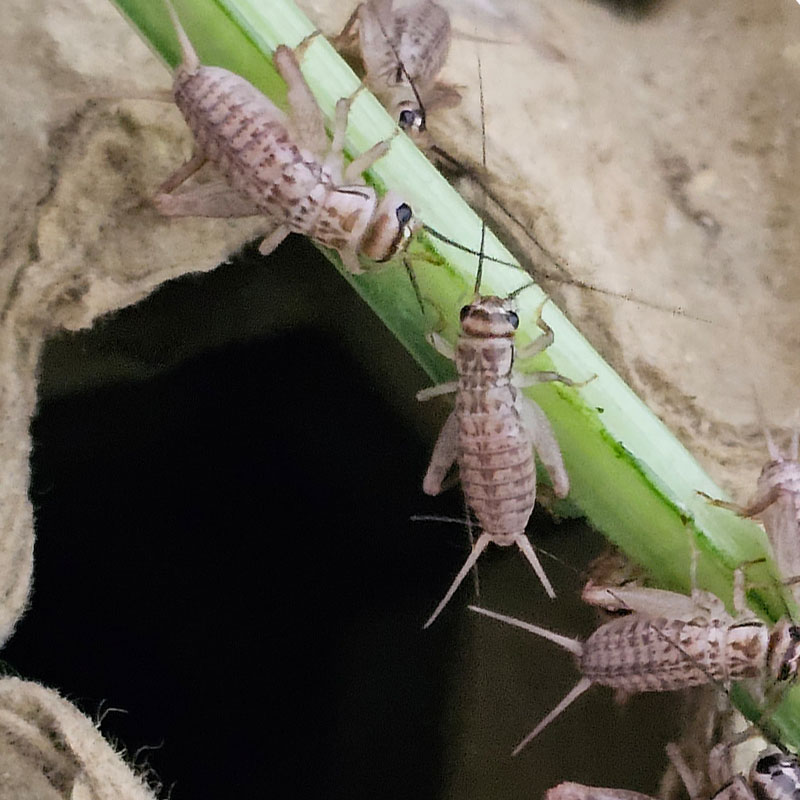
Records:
x=453, y=243
x=479, y=274
x=408, y=119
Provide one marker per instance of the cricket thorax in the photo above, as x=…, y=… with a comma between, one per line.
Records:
x=344, y=216
x=483, y=362
x=643, y=654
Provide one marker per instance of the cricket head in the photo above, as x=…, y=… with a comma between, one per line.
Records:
x=489, y=318
x=392, y=227
x=784, y=651
x=775, y=776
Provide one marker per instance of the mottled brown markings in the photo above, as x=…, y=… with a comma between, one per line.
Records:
x=242, y=133
x=642, y=652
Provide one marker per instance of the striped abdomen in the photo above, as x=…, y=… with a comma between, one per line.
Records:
x=496, y=461
x=641, y=654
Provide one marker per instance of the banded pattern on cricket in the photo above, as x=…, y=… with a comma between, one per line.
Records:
x=279, y=165
x=645, y=653
x=642, y=654
x=494, y=431
x=403, y=50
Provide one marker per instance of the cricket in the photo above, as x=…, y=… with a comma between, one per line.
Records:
x=671, y=641
x=777, y=505
x=494, y=430
x=402, y=51
x=282, y=166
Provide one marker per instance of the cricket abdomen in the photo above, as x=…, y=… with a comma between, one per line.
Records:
x=642, y=654
x=496, y=462
x=245, y=135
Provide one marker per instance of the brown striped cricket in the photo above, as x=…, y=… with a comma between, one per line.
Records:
x=403, y=50
x=282, y=166
x=671, y=641
x=777, y=505
x=494, y=431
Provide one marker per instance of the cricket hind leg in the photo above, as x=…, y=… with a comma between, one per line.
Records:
x=215, y=199
x=545, y=444
x=183, y=173
x=480, y=546
x=305, y=115
x=443, y=457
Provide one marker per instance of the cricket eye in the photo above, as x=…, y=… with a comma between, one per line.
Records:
x=464, y=313
x=406, y=120
x=404, y=213
x=513, y=318
x=767, y=763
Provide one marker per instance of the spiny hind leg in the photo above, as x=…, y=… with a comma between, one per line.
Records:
x=544, y=443
x=305, y=116
x=183, y=173
x=215, y=199
x=443, y=457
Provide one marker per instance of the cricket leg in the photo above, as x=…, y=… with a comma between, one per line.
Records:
x=215, y=199
x=443, y=457
x=544, y=443
x=754, y=509
x=269, y=243
x=182, y=173
x=305, y=115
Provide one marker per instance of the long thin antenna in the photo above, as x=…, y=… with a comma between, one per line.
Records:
x=402, y=68
x=570, y=281
x=479, y=274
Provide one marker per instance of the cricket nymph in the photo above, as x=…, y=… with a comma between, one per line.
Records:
x=402, y=51
x=494, y=431
x=495, y=453
x=640, y=654
x=280, y=165
x=700, y=644
x=777, y=505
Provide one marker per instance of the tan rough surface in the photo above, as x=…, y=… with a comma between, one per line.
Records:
x=656, y=157
x=48, y=749
x=80, y=237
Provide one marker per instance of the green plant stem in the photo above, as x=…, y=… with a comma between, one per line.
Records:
x=630, y=476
